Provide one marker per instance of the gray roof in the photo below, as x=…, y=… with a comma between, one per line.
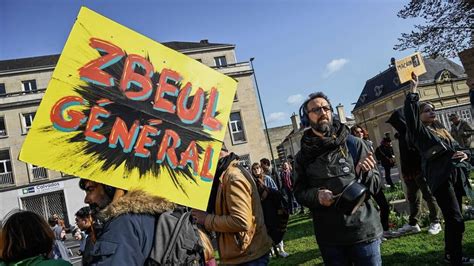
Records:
x=192, y=45
x=51, y=60
x=387, y=82
x=30, y=62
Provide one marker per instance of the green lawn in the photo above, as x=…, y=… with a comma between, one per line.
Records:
x=417, y=249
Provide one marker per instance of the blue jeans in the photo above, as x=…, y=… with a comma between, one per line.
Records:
x=366, y=253
x=262, y=261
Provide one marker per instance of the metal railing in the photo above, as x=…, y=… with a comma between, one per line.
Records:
x=6, y=178
x=39, y=173
x=19, y=93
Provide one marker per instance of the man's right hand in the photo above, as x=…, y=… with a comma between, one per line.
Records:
x=325, y=197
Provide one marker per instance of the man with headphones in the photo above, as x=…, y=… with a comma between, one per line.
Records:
x=124, y=223
x=324, y=170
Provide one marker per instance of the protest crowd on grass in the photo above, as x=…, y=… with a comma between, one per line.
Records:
x=168, y=191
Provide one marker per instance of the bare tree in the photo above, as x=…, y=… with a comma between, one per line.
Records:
x=447, y=30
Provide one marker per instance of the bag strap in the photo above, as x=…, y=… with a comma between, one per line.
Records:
x=174, y=236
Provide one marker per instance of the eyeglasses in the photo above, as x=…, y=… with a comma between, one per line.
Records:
x=317, y=110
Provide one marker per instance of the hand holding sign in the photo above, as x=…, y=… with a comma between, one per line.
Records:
x=408, y=65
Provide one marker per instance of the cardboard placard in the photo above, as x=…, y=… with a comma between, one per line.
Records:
x=124, y=110
x=405, y=66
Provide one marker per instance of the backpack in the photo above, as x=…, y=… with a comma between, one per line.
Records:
x=177, y=240
x=275, y=212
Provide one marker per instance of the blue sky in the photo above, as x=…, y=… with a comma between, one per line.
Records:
x=300, y=46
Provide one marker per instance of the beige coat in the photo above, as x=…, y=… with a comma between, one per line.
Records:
x=242, y=236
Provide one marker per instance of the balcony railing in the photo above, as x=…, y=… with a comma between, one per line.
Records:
x=39, y=173
x=6, y=178
x=18, y=93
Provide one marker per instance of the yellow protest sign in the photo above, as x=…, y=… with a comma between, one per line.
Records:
x=405, y=66
x=124, y=110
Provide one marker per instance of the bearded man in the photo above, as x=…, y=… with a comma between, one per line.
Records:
x=324, y=169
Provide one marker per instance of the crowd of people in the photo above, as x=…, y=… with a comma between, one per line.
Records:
x=334, y=175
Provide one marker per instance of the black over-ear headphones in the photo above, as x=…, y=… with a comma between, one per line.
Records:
x=304, y=119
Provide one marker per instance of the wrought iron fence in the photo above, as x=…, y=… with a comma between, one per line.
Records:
x=6, y=178
x=39, y=173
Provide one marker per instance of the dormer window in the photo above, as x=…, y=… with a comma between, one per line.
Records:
x=445, y=76
x=378, y=90
x=396, y=81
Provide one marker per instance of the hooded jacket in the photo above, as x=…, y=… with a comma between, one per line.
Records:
x=238, y=218
x=327, y=163
x=128, y=231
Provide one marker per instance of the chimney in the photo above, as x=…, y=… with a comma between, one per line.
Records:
x=205, y=41
x=295, y=122
x=340, y=113
x=392, y=62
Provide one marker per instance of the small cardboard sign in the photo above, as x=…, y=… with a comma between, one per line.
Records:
x=405, y=66
x=467, y=60
x=126, y=111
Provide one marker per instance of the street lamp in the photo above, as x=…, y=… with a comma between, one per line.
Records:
x=263, y=114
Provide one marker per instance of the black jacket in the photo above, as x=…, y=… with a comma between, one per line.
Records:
x=385, y=154
x=410, y=160
x=333, y=168
x=436, y=169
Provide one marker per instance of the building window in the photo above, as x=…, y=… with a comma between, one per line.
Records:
x=27, y=121
x=47, y=204
x=38, y=172
x=3, y=91
x=220, y=61
x=29, y=85
x=6, y=174
x=3, y=128
x=236, y=99
x=466, y=115
x=236, y=128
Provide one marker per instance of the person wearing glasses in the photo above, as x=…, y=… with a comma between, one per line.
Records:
x=324, y=167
